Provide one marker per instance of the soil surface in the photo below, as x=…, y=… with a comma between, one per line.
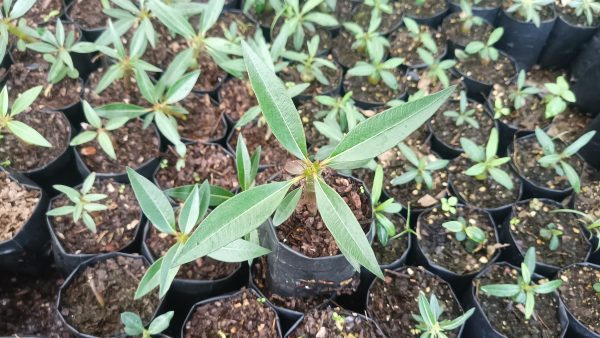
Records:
x=204, y=161
x=134, y=146
x=392, y=301
x=115, y=92
x=569, y=14
x=443, y=249
x=536, y=215
x=240, y=315
x=507, y=316
x=483, y=194
x=88, y=14
x=333, y=76
x=335, y=323
x=204, y=268
x=499, y=71
x=362, y=17
x=569, y=125
x=396, y=247
x=17, y=203
x=524, y=156
x=325, y=39
x=24, y=157
x=452, y=26
x=307, y=233
x=427, y=10
x=204, y=122
x=380, y=93
x=116, y=226
x=403, y=45
x=342, y=50
x=115, y=281
x=587, y=199
x=537, y=76
x=528, y=117
x=481, y=4
x=236, y=97
x=417, y=79
x=546, y=13
x=245, y=26
x=446, y=130
x=579, y=296
x=258, y=134
x=41, y=10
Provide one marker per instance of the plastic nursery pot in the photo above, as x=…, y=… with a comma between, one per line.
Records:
x=480, y=326
x=432, y=21
x=564, y=43
x=225, y=298
x=576, y=328
x=364, y=10
x=89, y=34
x=26, y=251
x=79, y=270
x=585, y=76
x=590, y=151
x=523, y=40
x=223, y=121
x=367, y=105
x=487, y=13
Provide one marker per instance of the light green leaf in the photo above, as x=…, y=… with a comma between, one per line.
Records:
x=182, y=87
x=287, y=207
x=25, y=100
x=27, y=134
x=133, y=323
x=190, y=212
x=160, y=323
x=238, y=251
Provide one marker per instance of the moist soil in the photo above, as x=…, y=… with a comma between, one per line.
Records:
x=321, y=323
x=24, y=157
x=307, y=234
x=240, y=315
x=134, y=146
x=380, y=93
x=402, y=44
x=29, y=306
x=116, y=226
x=362, y=17
x=333, y=76
x=579, y=297
x=569, y=14
x=507, y=316
x=417, y=79
x=499, y=71
x=115, y=280
x=204, y=268
x=88, y=14
x=487, y=193
x=427, y=10
x=204, y=161
x=343, y=52
x=446, y=130
x=391, y=302
x=39, y=12
x=528, y=117
x=452, y=26
x=115, y=92
x=236, y=97
x=204, y=122
x=396, y=247
x=569, y=125
x=245, y=26
x=526, y=152
x=536, y=215
x=546, y=13
x=260, y=271
x=587, y=200
x=17, y=204
x=443, y=249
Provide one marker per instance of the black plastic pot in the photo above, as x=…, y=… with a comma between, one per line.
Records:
x=488, y=14
x=523, y=40
x=576, y=328
x=88, y=34
x=590, y=151
x=359, y=6
x=585, y=76
x=370, y=104
x=564, y=43
x=479, y=325
x=479, y=90
x=432, y=21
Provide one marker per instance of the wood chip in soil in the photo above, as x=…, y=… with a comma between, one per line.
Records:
x=17, y=203
x=579, y=296
x=446, y=130
x=326, y=323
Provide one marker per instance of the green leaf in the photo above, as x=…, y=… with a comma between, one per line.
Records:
x=27, y=134
x=495, y=36
x=83, y=137
x=287, y=207
x=545, y=141
x=425, y=310
x=182, y=87
x=25, y=100
x=146, y=87
x=238, y=251
x=386, y=224
x=574, y=147
x=472, y=150
x=160, y=323
x=172, y=18
x=529, y=304
x=61, y=211
x=475, y=234
x=20, y=8
x=453, y=226
x=190, y=211
x=547, y=287
x=218, y=195
x=377, y=185
x=88, y=183
x=453, y=324
x=492, y=145
x=91, y=116
x=133, y=323
x=501, y=290
x=502, y=178
x=106, y=144
x=167, y=273
x=243, y=164
x=572, y=176
x=529, y=260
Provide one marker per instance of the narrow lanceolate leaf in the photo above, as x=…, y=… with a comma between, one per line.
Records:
x=243, y=163
x=218, y=195
x=188, y=216
x=287, y=207
x=167, y=275
x=385, y=130
x=233, y=219
x=25, y=100
x=344, y=227
x=27, y=134
x=151, y=279
x=277, y=106
x=238, y=251
x=501, y=290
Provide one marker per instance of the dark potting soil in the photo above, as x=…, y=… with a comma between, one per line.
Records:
x=333, y=76
x=569, y=14
x=402, y=44
x=29, y=306
x=260, y=270
x=587, y=200
x=380, y=93
x=335, y=323
x=166, y=47
x=258, y=134
x=212, y=74
x=443, y=249
x=395, y=247
x=483, y=194
x=41, y=10
x=116, y=226
x=579, y=296
x=417, y=79
x=133, y=145
x=452, y=26
x=499, y=71
x=204, y=122
x=25, y=157
x=392, y=301
x=88, y=14
x=203, y=162
x=528, y=117
x=537, y=76
x=536, y=215
x=236, y=97
x=343, y=52
x=115, y=281
x=508, y=317
x=307, y=234
x=446, y=130
x=264, y=18
x=17, y=203
x=546, y=13
x=569, y=125
x=201, y=269
x=427, y=10
x=526, y=152
x=117, y=91
x=245, y=26
x=241, y=315
x=362, y=17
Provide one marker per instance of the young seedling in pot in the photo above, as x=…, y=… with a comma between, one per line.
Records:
x=520, y=96
x=84, y=203
x=379, y=7
x=464, y=114
x=558, y=160
x=473, y=237
x=8, y=123
x=596, y=288
x=309, y=65
x=486, y=160
x=589, y=8
x=485, y=50
x=423, y=37
x=428, y=321
x=558, y=96
x=371, y=41
x=437, y=70
x=385, y=228
x=134, y=326
x=591, y=224
x=467, y=18
x=525, y=291
x=420, y=169
x=263, y=6
x=449, y=204
x=378, y=71
x=341, y=109
x=11, y=24
x=552, y=235
x=529, y=9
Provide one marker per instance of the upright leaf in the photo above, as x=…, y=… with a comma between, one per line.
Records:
x=153, y=202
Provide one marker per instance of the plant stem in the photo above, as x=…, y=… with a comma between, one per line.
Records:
x=309, y=194
x=14, y=30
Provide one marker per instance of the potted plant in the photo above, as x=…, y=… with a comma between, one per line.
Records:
x=426, y=12
x=434, y=76
x=134, y=325
x=334, y=321
x=405, y=42
x=354, y=42
x=464, y=26
x=487, y=9
x=390, y=13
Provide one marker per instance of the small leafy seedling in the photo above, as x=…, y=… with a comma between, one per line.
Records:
x=472, y=236
x=428, y=320
x=338, y=320
x=437, y=70
x=9, y=124
x=596, y=288
x=525, y=290
x=485, y=50
x=341, y=109
x=499, y=109
x=587, y=7
x=519, y=97
x=449, y=204
x=529, y=9
x=84, y=203
x=263, y=6
x=309, y=65
x=464, y=114
x=134, y=326
x=11, y=24
x=379, y=7
x=467, y=18
x=559, y=94
x=246, y=164
x=378, y=70
x=371, y=41
x=385, y=229
x=420, y=169
x=552, y=234
x=421, y=36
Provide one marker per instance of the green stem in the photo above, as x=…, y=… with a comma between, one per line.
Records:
x=14, y=30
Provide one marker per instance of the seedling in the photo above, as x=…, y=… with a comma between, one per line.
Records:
x=499, y=109
x=520, y=96
x=485, y=50
x=309, y=65
x=559, y=161
x=525, y=290
x=8, y=123
x=341, y=109
x=422, y=37
x=263, y=6
x=596, y=288
x=378, y=70
x=134, y=326
x=83, y=203
x=385, y=229
x=558, y=96
x=436, y=70
x=379, y=7
x=9, y=26
x=370, y=41
x=472, y=236
x=529, y=9
x=467, y=18
x=421, y=169
x=552, y=234
x=486, y=161
x=587, y=7
x=590, y=223
x=428, y=320
x=464, y=114
x=246, y=164
x=449, y=204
